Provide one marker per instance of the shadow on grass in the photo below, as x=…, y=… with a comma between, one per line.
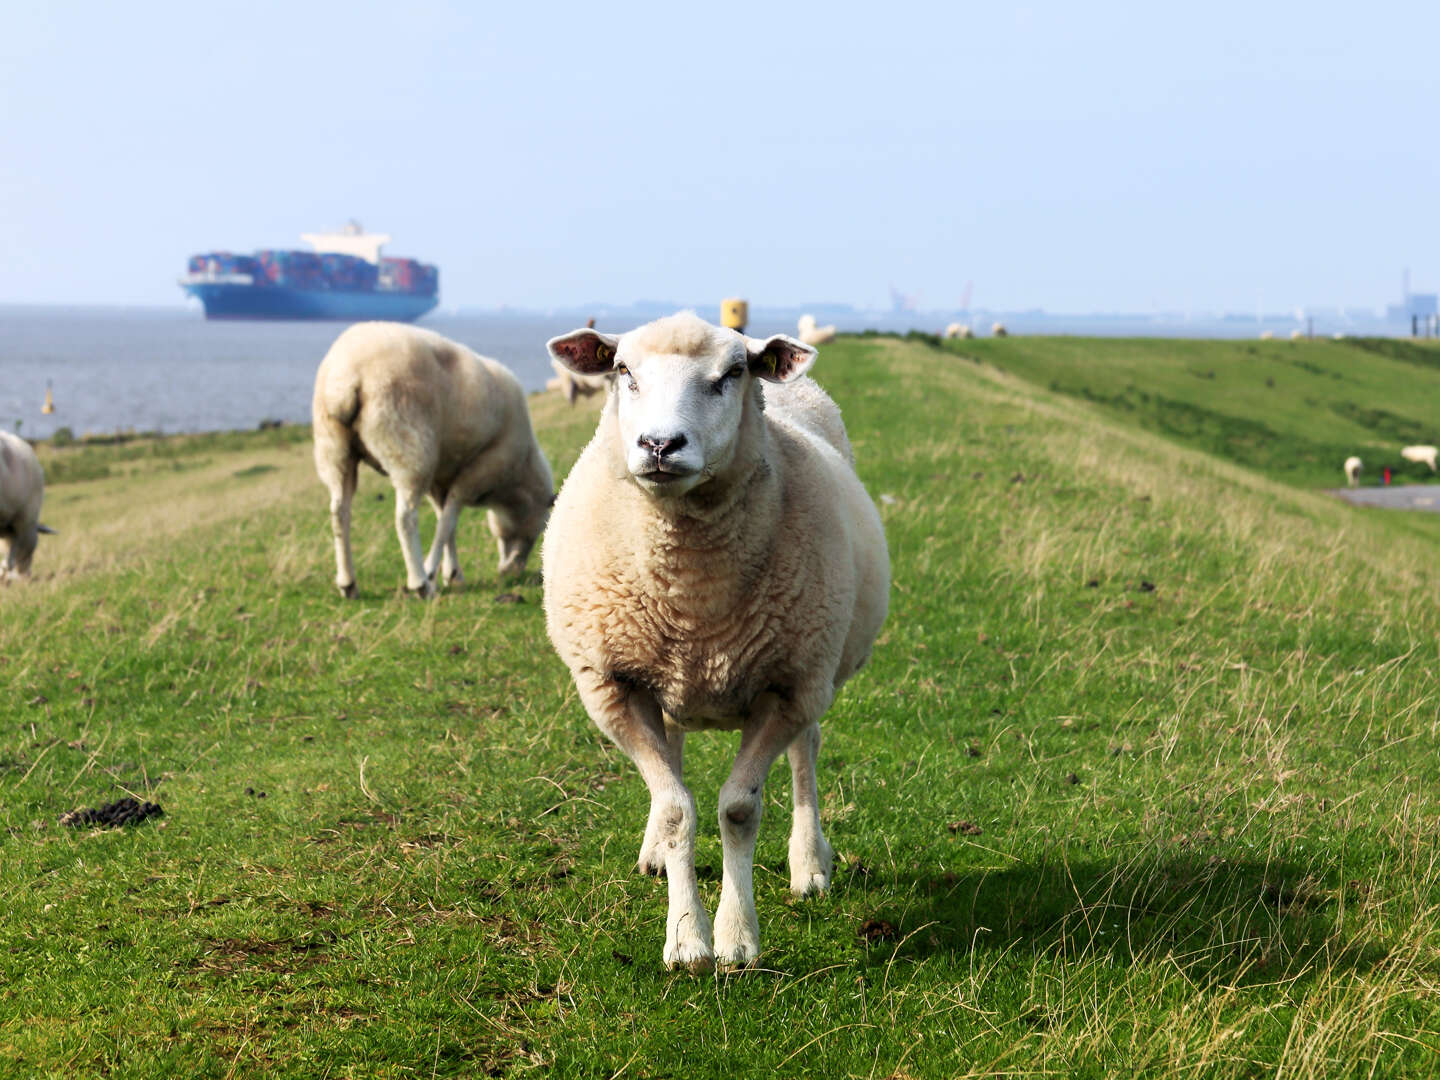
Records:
x=1217, y=919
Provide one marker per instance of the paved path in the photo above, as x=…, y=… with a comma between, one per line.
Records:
x=1395, y=496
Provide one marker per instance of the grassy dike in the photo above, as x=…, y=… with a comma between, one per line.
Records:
x=1142, y=780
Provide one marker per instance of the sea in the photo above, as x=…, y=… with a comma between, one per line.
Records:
x=168, y=370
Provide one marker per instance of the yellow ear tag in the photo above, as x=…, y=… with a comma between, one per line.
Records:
x=770, y=362
x=604, y=353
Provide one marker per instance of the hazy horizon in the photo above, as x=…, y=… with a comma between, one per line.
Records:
x=1105, y=159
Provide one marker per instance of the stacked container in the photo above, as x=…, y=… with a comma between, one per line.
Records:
x=408, y=276
x=300, y=269
x=348, y=272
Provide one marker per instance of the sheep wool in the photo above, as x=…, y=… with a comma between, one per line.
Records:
x=22, y=491
x=1419, y=454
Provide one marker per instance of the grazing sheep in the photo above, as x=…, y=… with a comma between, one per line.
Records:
x=958, y=330
x=1419, y=454
x=22, y=490
x=1267, y=335
x=576, y=386
x=1352, y=470
x=1297, y=335
x=439, y=421
x=811, y=334
x=713, y=563
x=998, y=330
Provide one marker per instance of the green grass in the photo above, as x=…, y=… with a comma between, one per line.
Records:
x=1142, y=780
x=1292, y=410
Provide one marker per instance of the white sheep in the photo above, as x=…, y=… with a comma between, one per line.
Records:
x=1267, y=335
x=22, y=491
x=811, y=334
x=1352, y=470
x=439, y=421
x=574, y=386
x=958, y=330
x=713, y=562
x=1297, y=334
x=1421, y=453
x=998, y=330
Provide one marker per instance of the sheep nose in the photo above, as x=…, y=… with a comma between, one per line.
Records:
x=661, y=445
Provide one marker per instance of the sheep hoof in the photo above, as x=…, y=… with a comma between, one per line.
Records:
x=349, y=592
x=424, y=592
x=456, y=578
x=695, y=959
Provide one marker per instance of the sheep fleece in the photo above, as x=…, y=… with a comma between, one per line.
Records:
x=783, y=584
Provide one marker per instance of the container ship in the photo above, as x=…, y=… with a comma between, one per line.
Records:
x=343, y=277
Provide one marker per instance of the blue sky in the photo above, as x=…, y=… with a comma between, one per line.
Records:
x=1076, y=157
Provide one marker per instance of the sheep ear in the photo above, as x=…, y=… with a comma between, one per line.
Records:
x=779, y=358
x=585, y=352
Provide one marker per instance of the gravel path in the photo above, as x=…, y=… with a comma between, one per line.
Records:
x=1395, y=496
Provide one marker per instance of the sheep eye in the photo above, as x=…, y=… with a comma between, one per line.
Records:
x=718, y=386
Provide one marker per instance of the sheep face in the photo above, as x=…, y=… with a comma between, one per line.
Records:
x=681, y=388
x=515, y=535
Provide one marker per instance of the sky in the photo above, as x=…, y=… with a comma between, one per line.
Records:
x=1096, y=157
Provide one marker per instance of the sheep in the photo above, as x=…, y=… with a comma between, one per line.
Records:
x=1267, y=335
x=439, y=421
x=1420, y=453
x=998, y=330
x=811, y=334
x=958, y=330
x=1297, y=334
x=713, y=562
x=576, y=386
x=22, y=491
x=1352, y=470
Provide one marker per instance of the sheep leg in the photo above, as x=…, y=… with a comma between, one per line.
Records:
x=652, y=848
x=407, y=525
x=450, y=564
x=444, y=541
x=631, y=718
x=771, y=728
x=811, y=856
x=341, y=478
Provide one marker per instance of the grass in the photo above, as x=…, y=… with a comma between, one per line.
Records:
x=1142, y=780
x=1292, y=410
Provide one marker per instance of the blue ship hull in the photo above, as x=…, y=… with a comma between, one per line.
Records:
x=224, y=300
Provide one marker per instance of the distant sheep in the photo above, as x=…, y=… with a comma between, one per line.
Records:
x=1352, y=470
x=714, y=563
x=575, y=386
x=22, y=490
x=998, y=330
x=1420, y=453
x=439, y=421
x=1297, y=334
x=811, y=334
x=1267, y=335
x=958, y=330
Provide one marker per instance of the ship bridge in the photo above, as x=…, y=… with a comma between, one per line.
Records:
x=351, y=240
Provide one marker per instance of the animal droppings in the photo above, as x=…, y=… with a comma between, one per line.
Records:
x=509, y=598
x=873, y=930
x=112, y=815
x=965, y=828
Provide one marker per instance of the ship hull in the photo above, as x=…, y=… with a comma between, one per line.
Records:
x=234, y=301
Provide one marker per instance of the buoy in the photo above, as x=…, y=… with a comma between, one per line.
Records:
x=49, y=406
x=734, y=313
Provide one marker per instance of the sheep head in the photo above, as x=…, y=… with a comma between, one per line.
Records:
x=682, y=390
